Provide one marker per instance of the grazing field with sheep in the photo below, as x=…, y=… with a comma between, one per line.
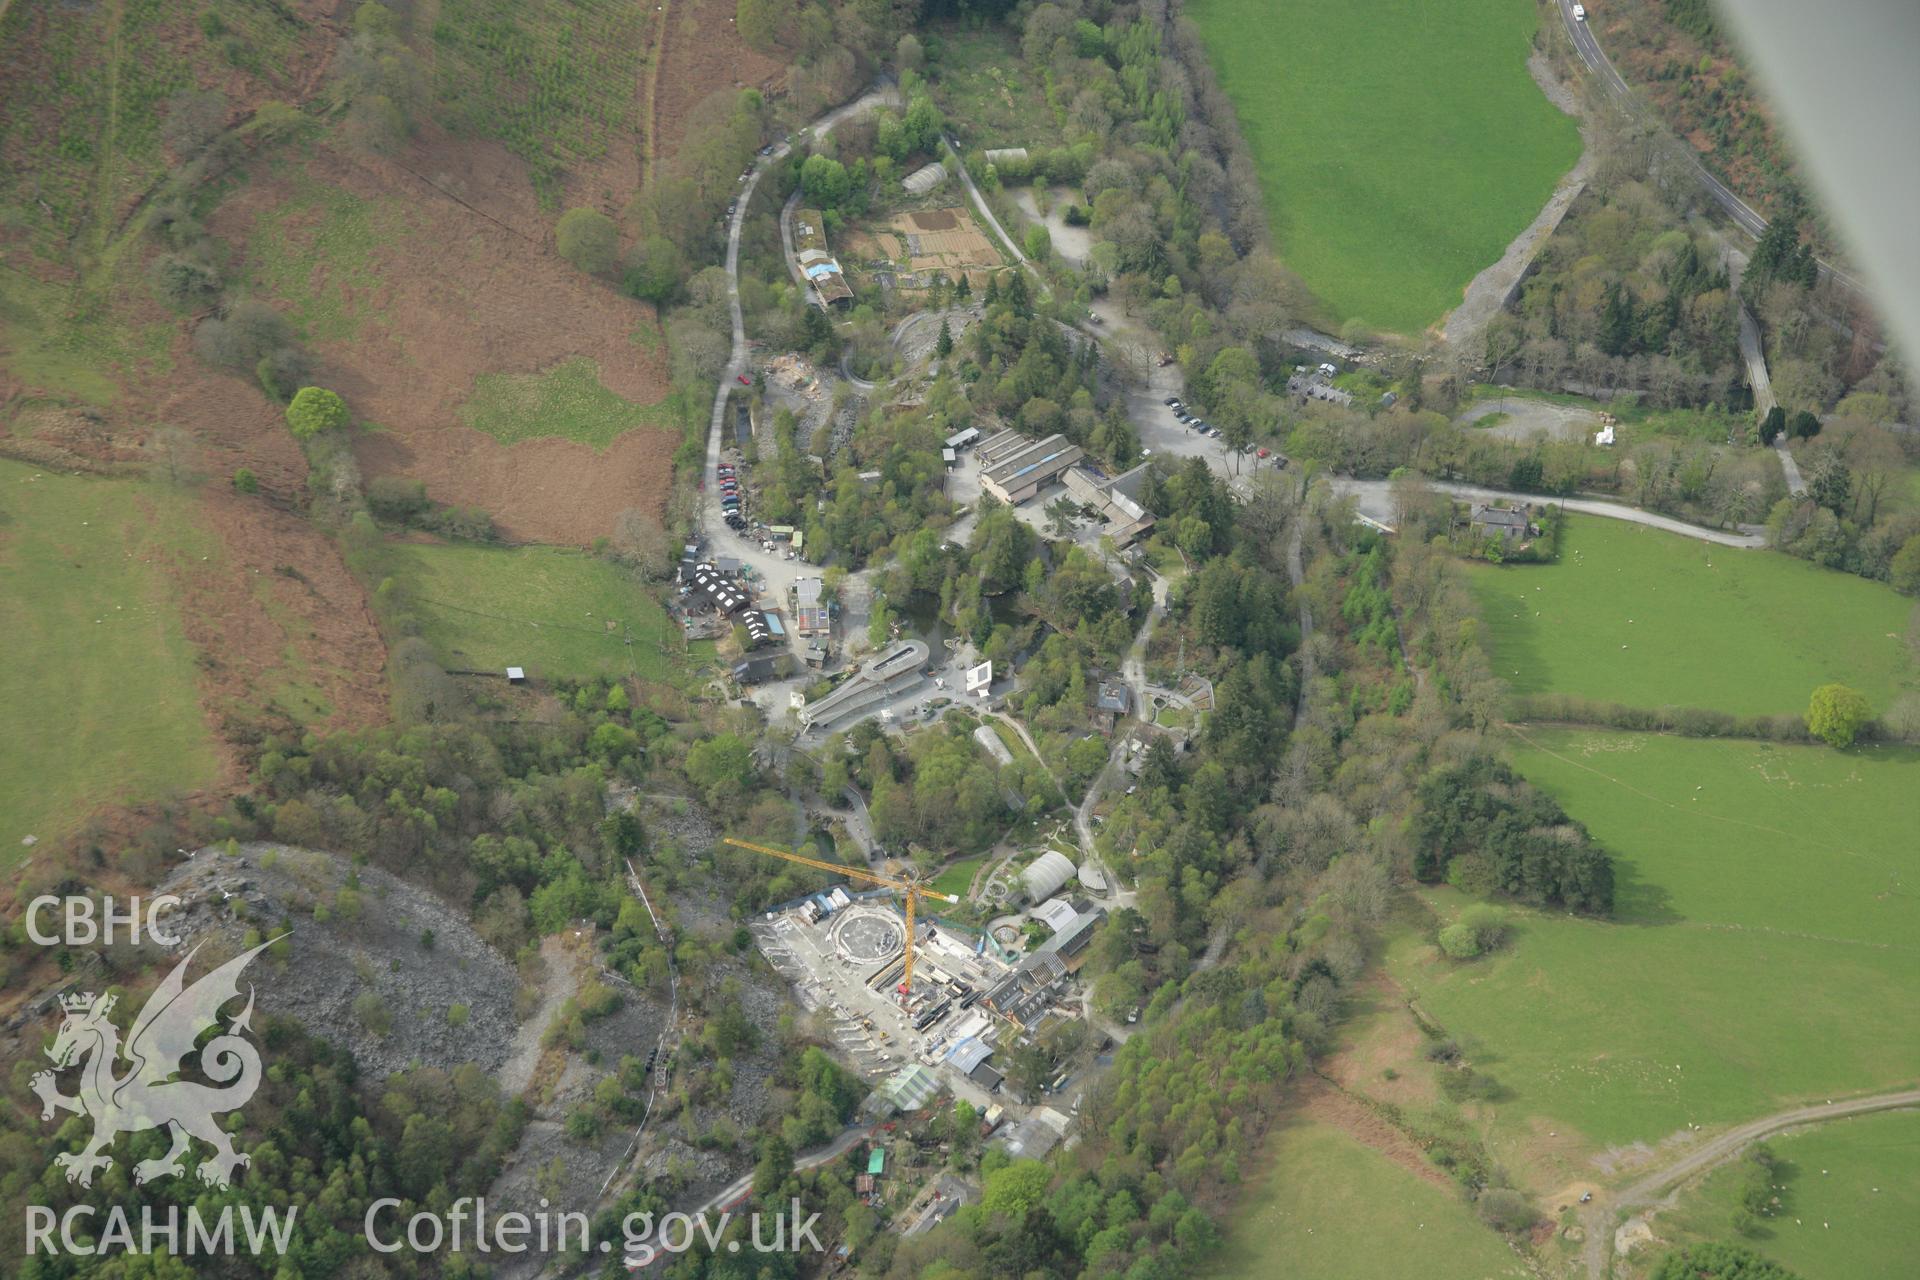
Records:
x=1646, y=618
x=1762, y=951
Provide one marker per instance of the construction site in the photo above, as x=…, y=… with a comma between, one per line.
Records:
x=925, y=1006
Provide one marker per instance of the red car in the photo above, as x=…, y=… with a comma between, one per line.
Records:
x=743, y=379
x=1261, y=452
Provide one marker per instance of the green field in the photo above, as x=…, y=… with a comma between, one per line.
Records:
x=958, y=878
x=1848, y=1211
x=557, y=613
x=567, y=400
x=1764, y=950
x=1401, y=144
x=98, y=692
x=1650, y=619
x=1333, y=1209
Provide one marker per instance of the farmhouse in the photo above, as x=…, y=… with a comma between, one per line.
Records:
x=1504, y=523
x=1022, y=468
x=819, y=267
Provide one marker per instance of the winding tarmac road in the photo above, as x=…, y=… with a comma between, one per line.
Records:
x=1375, y=499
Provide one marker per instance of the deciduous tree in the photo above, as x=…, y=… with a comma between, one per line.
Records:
x=1836, y=714
x=315, y=410
x=588, y=239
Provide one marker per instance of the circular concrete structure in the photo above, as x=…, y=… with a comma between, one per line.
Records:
x=868, y=935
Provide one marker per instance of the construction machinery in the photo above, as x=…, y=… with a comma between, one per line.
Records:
x=911, y=891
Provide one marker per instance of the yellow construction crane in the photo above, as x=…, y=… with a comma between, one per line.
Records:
x=909, y=890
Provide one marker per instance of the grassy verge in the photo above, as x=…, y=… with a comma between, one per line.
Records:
x=1637, y=616
x=98, y=690
x=1401, y=145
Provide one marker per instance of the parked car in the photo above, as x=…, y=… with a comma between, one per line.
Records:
x=743, y=379
x=1172, y=400
x=1261, y=452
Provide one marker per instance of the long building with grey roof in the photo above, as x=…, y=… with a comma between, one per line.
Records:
x=1018, y=471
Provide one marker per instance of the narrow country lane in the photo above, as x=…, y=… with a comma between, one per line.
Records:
x=1598, y=1218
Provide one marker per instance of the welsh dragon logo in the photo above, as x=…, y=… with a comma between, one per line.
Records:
x=147, y=1096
